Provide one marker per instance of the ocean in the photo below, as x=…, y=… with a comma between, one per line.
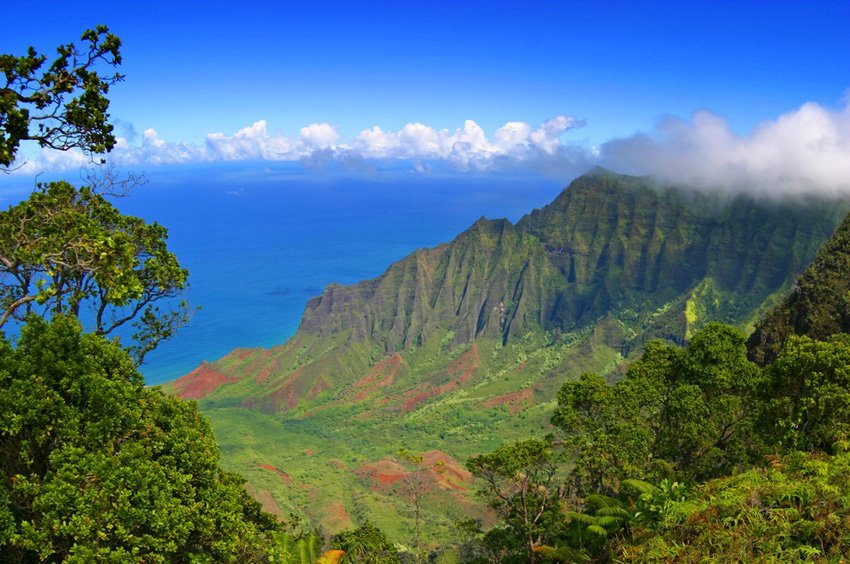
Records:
x=260, y=240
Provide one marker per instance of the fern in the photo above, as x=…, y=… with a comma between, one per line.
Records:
x=597, y=530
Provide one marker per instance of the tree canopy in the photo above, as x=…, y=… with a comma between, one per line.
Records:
x=63, y=104
x=679, y=413
x=366, y=544
x=95, y=466
x=65, y=248
x=521, y=483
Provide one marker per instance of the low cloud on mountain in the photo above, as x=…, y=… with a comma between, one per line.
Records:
x=803, y=151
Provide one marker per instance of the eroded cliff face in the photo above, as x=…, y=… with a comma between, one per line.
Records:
x=607, y=244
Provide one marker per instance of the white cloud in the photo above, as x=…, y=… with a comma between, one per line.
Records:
x=319, y=135
x=466, y=147
x=512, y=134
x=318, y=146
x=249, y=143
x=805, y=150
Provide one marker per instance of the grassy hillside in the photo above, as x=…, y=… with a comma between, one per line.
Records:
x=457, y=349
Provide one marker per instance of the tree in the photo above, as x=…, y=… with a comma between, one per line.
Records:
x=366, y=544
x=417, y=480
x=806, y=398
x=64, y=248
x=685, y=414
x=521, y=484
x=605, y=432
x=94, y=466
x=64, y=105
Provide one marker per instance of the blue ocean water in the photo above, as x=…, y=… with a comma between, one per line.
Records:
x=259, y=241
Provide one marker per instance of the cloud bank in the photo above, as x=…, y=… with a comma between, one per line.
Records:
x=803, y=151
x=465, y=148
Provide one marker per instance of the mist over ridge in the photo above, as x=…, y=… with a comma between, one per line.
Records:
x=804, y=151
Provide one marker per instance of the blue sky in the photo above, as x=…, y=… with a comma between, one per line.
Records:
x=613, y=68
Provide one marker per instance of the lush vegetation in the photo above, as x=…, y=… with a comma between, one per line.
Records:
x=818, y=306
x=68, y=250
x=62, y=105
x=697, y=452
x=95, y=466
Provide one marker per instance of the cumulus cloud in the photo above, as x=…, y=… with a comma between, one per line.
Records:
x=249, y=143
x=467, y=147
x=803, y=151
x=319, y=135
x=318, y=146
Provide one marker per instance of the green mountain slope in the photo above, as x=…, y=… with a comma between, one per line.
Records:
x=818, y=306
x=457, y=349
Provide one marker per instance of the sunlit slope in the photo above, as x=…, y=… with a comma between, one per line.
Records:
x=462, y=347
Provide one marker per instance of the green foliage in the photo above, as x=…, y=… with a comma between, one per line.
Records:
x=64, y=248
x=521, y=485
x=365, y=545
x=94, y=466
x=579, y=286
x=702, y=414
x=62, y=105
x=678, y=412
x=795, y=509
x=304, y=549
x=807, y=396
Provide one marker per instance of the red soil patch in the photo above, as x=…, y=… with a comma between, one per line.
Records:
x=336, y=517
x=285, y=394
x=319, y=387
x=257, y=366
x=382, y=375
x=447, y=472
x=459, y=370
x=381, y=474
x=515, y=400
x=410, y=403
x=242, y=354
x=287, y=479
x=200, y=382
x=268, y=502
x=465, y=364
x=263, y=375
x=444, y=472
